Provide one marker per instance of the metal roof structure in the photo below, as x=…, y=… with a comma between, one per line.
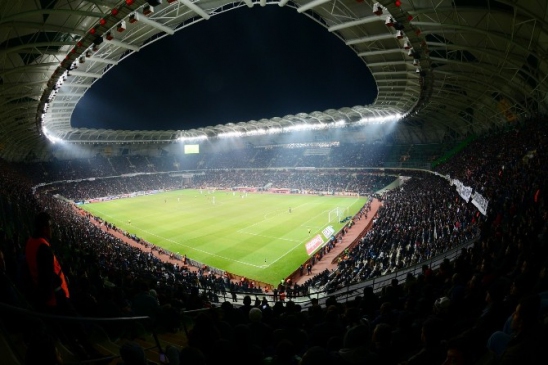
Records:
x=452, y=68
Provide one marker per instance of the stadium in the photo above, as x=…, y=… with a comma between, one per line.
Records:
x=409, y=230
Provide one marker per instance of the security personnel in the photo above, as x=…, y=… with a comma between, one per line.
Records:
x=52, y=294
x=47, y=276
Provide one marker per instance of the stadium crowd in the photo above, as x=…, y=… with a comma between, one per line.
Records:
x=415, y=223
x=486, y=307
x=339, y=182
x=348, y=155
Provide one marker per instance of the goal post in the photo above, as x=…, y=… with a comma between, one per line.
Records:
x=337, y=214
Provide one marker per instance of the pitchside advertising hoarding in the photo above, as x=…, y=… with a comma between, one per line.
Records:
x=317, y=241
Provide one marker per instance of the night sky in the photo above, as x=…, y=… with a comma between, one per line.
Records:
x=243, y=65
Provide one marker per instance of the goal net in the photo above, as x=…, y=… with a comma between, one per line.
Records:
x=337, y=215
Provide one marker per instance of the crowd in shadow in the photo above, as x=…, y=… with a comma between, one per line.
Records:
x=486, y=307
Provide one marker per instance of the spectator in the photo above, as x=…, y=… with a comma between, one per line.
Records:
x=132, y=353
x=433, y=351
x=355, y=348
x=382, y=344
x=458, y=353
x=316, y=355
x=51, y=291
x=261, y=332
x=526, y=341
x=284, y=354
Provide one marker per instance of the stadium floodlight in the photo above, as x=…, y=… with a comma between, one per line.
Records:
x=121, y=26
x=148, y=10
x=191, y=138
x=380, y=119
x=256, y=132
x=377, y=9
x=287, y=129
x=52, y=138
x=297, y=128
x=230, y=134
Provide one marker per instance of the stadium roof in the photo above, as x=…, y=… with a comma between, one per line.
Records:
x=452, y=67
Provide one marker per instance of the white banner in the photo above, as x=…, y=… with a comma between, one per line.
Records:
x=464, y=191
x=480, y=202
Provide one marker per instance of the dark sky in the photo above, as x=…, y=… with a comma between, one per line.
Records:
x=243, y=65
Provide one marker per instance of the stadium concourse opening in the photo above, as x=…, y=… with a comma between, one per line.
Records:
x=346, y=238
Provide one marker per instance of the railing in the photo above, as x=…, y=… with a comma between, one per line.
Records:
x=378, y=283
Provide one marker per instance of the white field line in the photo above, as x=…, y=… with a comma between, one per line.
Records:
x=188, y=247
x=299, y=243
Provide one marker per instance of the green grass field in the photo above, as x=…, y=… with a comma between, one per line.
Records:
x=255, y=236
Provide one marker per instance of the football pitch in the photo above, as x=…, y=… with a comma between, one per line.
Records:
x=261, y=236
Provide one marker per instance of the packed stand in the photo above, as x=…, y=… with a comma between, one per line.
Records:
x=488, y=307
